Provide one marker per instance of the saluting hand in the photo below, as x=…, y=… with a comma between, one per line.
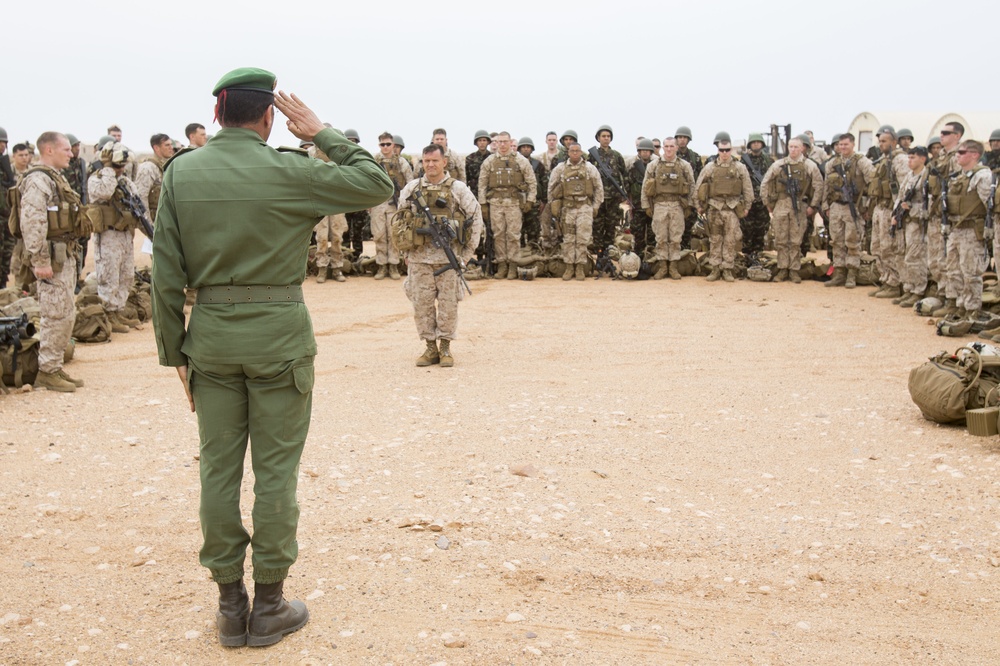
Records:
x=302, y=121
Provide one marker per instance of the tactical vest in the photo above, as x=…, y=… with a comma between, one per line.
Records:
x=965, y=208
x=836, y=183
x=881, y=186
x=725, y=182
x=452, y=167
x=505, y=176
x=575, y=186
x=799, y=175
x=441, y=201
x=669, y=182
x=392, y=168
x=107, y=216
x=70, y=221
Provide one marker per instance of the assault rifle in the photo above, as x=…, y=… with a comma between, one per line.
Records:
x=12, y=330
x=126, y=202
x=755, y=176
x=605, y=170
x=848, y=192
x=989, y=216
x=442, y=232
x=898, y=213
x=792, y=186
x=944, y=209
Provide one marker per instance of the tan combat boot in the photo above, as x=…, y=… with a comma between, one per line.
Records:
x=512, y=271
x=117, y=325
x=75, y=382
x=393, y=272
x=338, y=276
x=727, y=275
x=714, y=275
x=874, y=292
x=674, y=273
x=53, y=382
x=321, y=276
x=838, y=279
x=580, y=272
x=948, y=308
x=889, y=292
x=501, y=271
x=910, y=300
x=430, y=355
x=852, y=278
x=781, y=275
x=794, y=276
x=447, y=360
x=662, y=271
x=568, y=273
x=382, y=272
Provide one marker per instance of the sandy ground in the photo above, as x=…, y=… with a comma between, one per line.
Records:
x=612, y=473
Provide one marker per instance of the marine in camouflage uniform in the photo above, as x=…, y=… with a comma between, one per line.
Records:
x=846, y=230
x=42, y=191
x=968, y=194
x=507, y=187
x=330, y=231
x=149, y=177
x=943, y=266
x=889, y=174
x=724, y=192
x=642, y=222
x=755, y=224
x=575, y=195
x=913, y=201
x=531, y=226
x=683, y=136
x=609, y=217
x=667, y=193
x=400, y=174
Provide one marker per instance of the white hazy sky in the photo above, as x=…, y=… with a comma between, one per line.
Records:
x=642, y=67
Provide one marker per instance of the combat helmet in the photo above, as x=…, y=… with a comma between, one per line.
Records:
x=352, y=134
x=903, y=133
x=571, y=134
x=722, y=137
x=925, y=306
x=629, y=264
x=836, y=138
x=646, y=144
x=526, y=141
x=933, y=140
x=482, y=134
x=756, y=136
x=604, y=128
x=103, y=140
x=993, y=137
x=71, y=137
x=3, y=134
x=684, y=131
x=806, y=141
x=398, y=140
x=886, y=129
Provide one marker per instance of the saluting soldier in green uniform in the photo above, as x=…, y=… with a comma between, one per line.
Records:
x=246, y=358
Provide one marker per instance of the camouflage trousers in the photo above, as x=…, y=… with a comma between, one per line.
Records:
x=577, y=226
x=58, y=314
x=724, y=237
x=969, y=253
x=7, y=242
x=845, y=236
x=668, y=225
x=115, y=260
x=329, y=241
x=642, y=231
x=952, y=271
x=914, y=271
x=606, y=222
x=689, y=221
x=754, y=227
x=788, y=227
x=935, y=254
x=357, y=223
x=890, y=248
x=807, y=236
x=435, y=300
x=505, y=221
x=385, y=249
x=531, y=227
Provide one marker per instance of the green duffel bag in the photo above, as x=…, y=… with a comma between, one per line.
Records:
x=948, y=385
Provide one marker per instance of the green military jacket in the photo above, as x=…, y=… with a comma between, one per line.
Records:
x=238, y=212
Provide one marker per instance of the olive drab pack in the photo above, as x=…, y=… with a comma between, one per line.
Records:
x=505, y=177
x=575, y=187
x=948, y=385
x=392, y=169
x=881, y=185
x=835, y=183
x=668, y=182
x=404, y=225
x=798, y=173
x=965, y=208
x=725, y=182
x=69, y=221
x=19, y=366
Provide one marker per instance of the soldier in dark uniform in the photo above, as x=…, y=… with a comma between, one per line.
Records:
x=7, y=240
x=641, y=225
x=531, y=227
x=474, y=161
x=359, y=222
x=756, y=222
x=992, y=156
x=76, y=176
x=246, y=360
x=683, y=136
x=568, y=138
x=611, y=165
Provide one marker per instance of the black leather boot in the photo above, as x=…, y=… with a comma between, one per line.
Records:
x=272, y=617
x=234, y=608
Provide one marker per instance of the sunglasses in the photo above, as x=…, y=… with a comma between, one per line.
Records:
x=946, y=132
x=385, y=144
x=963, y=152
x=725, y=150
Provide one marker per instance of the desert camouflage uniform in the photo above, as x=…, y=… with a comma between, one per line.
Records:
x=148, y=177
x=400, y=173
x=531, y=226
x=576, y=220
x=547, y=160
x=608, y=217
x=914, y=267
x=455, y=167
x=944, y=270
x=668, y=210
x=694, y=160
x=788, y=226
x=114, y=249
x=55, y=295
x=505, y=202
x=754, y=225
x=329, y=243
x=965, y=240
x=890, y=249
x=421, y=286
x=724, y=234
x=846, y=233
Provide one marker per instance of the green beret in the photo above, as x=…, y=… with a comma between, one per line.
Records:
x=247, y=78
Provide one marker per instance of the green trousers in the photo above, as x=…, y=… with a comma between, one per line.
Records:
x=269, y=404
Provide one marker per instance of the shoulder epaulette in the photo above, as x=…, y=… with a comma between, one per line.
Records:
x=293, y=149
x=182, y=151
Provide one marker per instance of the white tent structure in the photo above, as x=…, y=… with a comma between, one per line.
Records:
x=924, y=124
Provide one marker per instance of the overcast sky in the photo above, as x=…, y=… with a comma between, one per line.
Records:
x=520, y=65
